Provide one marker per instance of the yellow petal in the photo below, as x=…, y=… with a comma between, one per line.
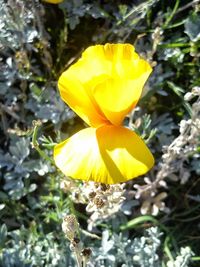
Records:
x=109, y=154
x=53, y=1
x=75, y=95
x=117, y=97
x=106, y=83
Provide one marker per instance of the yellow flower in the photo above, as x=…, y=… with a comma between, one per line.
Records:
x=53, y=1
x=102, y=88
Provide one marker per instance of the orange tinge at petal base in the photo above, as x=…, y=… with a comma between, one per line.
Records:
x=102, y=88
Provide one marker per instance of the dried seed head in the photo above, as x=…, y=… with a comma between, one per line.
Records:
x=70, y=223
x=75, y=242
x=76, y=196
x=92, y=194
x=104, y=187
x=196, y=90
x=36, y=123
x=98, y=201
x=96, y=185
x=107, y=186
x=70, y=226
x=86, y=252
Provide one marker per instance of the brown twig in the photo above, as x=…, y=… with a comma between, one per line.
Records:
x=10, y=112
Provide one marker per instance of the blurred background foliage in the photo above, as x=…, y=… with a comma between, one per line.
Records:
x=38, y=41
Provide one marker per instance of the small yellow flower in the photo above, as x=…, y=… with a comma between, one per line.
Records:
x=53, y=1
x=102, y=88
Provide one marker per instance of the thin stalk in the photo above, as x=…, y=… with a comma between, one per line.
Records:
x=35, y=142
x=172, y=14
x=78, y=258
x=195, y=258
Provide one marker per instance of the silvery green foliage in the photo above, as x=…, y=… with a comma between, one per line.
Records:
x=30, y=249
x=121, y=250
x=24, y=58
x=20, y=167
x=192, y=27
x=80, y=8
x=120, y=16
x=183, y=259
x=25, y=95
x=30, y=194
x=145, y=248
x=19, y=31
x=182, y=149
x=175, y=55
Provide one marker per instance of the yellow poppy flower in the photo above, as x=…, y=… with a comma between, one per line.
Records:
x=102, y=88
x=53, y=1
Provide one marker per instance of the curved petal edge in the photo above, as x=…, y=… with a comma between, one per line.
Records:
x=108, y=154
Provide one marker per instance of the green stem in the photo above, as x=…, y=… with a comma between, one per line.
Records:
x=195, y=258
x=167, y=250
x=35, y=144
x=172, y=14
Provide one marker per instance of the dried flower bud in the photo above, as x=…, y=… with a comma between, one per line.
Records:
x=96, y=185
x=104, y=187
x=70, y=226
x=75, y=244
x=145, y=208
x=160, y=196
x=98, y=201
x=75, y=240
x=36, y=123
x=86, y=252
x=196, y=90
x=92, y=194
x=188, y=96
x=76, y=195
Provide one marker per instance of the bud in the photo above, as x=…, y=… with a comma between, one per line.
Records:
x=188, y=96
x=86, y=253
x=98, y=201
x=70, y=226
